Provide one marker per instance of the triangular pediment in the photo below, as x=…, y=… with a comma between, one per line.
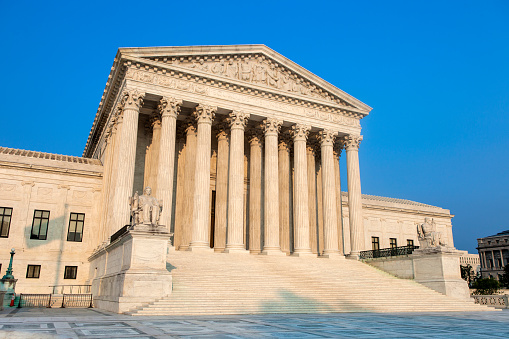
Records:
x=249, y=65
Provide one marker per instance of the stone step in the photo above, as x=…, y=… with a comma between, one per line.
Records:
x=250, y=284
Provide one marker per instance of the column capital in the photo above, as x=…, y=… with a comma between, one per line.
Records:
x=204, y=114
x=132, y=99
x=221, y=130
x=169, y=107
x=271, y=126
x=189, y=125
x=255, y=136
x=285, y=141
x=300, y=132
x=238, y=119
x=326, y=137
x=313, y=146
x=352, y=142
x=338, y=147
x=155, y=121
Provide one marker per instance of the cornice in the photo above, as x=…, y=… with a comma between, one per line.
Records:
x=49, y=169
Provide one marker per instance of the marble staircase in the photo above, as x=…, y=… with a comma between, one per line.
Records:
x=216, y=283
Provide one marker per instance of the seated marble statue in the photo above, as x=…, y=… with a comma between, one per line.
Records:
x=428, y=235
x=145, y=209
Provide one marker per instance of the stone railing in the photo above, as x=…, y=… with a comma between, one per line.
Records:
x=388, y=252
x=497, y=301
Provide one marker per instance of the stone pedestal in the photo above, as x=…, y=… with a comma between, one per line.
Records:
x=8, y=288
x=131, y=271
x=439, y=269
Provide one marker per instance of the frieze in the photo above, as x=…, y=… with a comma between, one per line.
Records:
x=180, y=84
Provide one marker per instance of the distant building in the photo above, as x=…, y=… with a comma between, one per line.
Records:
x=494, y=254
x=472, y=260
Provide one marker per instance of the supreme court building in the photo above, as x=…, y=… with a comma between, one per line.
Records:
x=241, y=145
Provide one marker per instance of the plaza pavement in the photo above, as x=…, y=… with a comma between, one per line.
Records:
x=92, y=323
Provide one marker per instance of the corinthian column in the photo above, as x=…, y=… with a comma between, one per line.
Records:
x=271, y=245
x=169, y=109
x=200, y=235
x=235, y=240
x=221, y=187
x=285, y=202
x=330, y=214
x=344, y=243
x=255, y=191
x=352, y=143
x=301, y=198
x=132, y=100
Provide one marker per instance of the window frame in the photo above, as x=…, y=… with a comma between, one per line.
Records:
x=393, y=244
x=71, y=269
x=2, y=219
x=33, y=271
x=410, y=242
x=73, y=239
x=40, y=219
x=375, y=240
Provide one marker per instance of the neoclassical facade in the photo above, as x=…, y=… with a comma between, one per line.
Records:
x=241, y=145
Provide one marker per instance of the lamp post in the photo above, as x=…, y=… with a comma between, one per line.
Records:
x=8, y=273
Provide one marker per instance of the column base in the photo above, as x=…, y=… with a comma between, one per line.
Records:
x=200, y=249
x=335, y=256
x=236, y=251
x=257, y=251
x=353, y=256
x=218, y=249
x=273, y=252
x=304, y=254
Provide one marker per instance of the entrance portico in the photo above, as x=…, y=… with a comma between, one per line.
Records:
x=247, y=117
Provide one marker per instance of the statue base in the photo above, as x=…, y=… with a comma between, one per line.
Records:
x=439, y=269
x=131, y=271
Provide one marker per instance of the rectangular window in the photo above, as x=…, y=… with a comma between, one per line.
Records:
x=375, y=243
x=40, y=225
x=393, y=242
x=5, y=221
x=33, y=271
x=76, y=222
x=70, y=272
x=409, y=242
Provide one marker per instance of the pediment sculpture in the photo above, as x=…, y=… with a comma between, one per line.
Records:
x=255, y=69
x=145, y=209
x=428, y=235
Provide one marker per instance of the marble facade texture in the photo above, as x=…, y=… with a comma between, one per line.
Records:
x=241, y=144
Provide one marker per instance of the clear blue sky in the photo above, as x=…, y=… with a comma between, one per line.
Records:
x=435, y=72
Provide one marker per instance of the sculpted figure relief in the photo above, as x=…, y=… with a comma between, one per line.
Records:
x=145, y=209
x=256, y=70
x=428, y=235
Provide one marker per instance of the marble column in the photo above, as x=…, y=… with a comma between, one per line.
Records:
x=330, y=215
x=152, y=158
x=338, y=146
x=221, y=186
x=352, y=143
x=201, y=214
x=301, y=199
x=285, y=203
x=235, y=228
x=132, y=100
x=189, y=184
x=180, y=149
x=255, y=190
x=313, y=215
x=116, y=124
x=271, y=245
x=169, y=109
